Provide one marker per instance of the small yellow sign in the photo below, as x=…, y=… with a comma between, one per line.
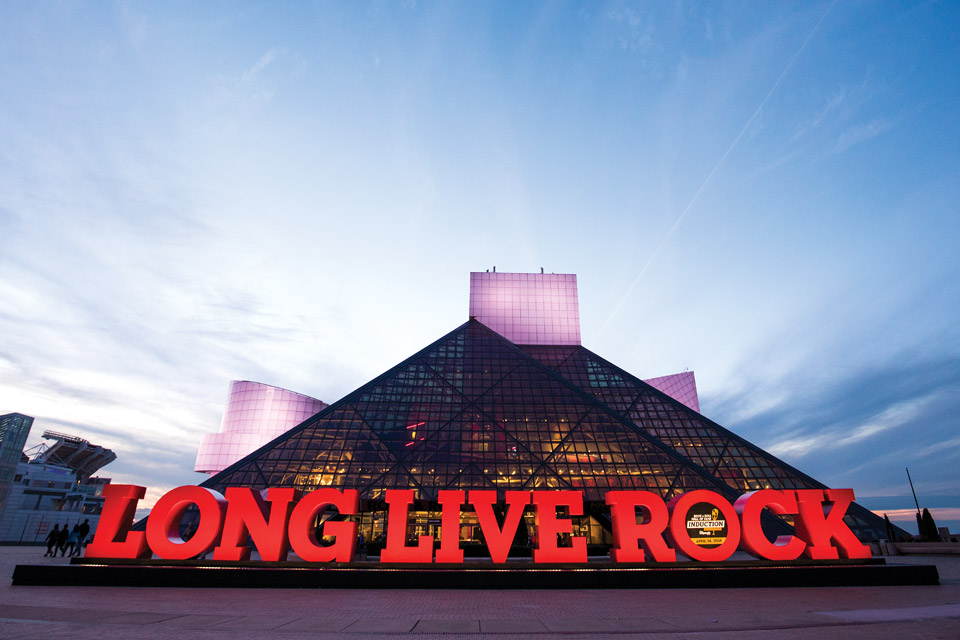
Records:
x=706, y=526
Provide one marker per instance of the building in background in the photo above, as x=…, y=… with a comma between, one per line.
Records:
x=521, y=407
x=255, y=414
x=14, y=429
x=54, y=487
x=79, y=455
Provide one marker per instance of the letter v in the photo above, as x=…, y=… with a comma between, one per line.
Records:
x=499, y=540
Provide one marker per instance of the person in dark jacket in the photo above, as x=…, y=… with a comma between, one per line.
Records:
x=62, y=538
x=83, y=531
x=52, y=539
x=72, y=540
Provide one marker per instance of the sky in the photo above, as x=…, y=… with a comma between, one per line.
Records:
x=295, y=193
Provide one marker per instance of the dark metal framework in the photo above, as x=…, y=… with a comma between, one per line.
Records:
x=475, y=411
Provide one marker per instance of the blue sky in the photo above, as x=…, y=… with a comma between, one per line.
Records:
x=764, y=193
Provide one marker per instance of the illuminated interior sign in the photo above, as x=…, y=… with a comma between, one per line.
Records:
x=702, y=525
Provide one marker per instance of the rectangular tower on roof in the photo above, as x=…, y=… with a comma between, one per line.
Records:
x=527, y=308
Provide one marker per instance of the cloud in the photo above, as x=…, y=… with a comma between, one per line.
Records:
x=833, y=105
x=633, y=30
x=134, y=24
x=860, y=133
x=910, y=515
x=839, y=107
x=832, y=437
x=938, y=448
x=853, y=422
x=255, y=71
x=254, y=84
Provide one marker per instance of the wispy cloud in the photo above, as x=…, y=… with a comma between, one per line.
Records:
x=910, y=515
x=634, y=29
x=254, y=83
x=134, y=24
x=861, y=133
x=253, y=73
x=838, y=436
x=939, y=448
x=834, y=104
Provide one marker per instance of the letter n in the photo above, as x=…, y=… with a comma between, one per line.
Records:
x=245, y=519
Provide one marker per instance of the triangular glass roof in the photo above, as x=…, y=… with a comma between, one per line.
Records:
x=475, y=411
x=725, y=455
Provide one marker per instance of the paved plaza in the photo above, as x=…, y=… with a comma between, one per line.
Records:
x=289, y=614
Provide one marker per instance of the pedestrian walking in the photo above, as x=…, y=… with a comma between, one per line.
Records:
x=83, y=530
x=72, y=539
x=52, y=539
x=62, y=538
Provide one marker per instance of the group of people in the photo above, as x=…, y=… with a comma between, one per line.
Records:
x=65, y=539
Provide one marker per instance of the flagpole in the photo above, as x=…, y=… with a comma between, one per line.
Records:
x=913, y=490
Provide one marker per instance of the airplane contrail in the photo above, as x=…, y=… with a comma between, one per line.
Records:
x=709, y=177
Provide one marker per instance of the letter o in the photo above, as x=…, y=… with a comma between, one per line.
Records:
x=681, y=505
x=163, y=524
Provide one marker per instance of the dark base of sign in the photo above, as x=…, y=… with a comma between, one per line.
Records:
x=512, y=575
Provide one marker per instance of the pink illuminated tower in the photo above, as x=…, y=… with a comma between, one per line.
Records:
x=542, y=309
x=682, y=387
x=255, y=414
x=527, y=308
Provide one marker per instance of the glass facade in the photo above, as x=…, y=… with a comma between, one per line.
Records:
x=255, y=414
x=476, y=411
x=527, y=308
x=14, y=429
x=679, y=386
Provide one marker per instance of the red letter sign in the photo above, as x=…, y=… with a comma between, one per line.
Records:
x=396, y=549
x=704, y=526
x=499, y=540
x=245, y=518
x=450, y=503
x=303, y=531
x=550, y=527
x=627, y=533
x=113, y=538
x=163, y=524
x=701, y=524
x=819, y=529
x=750, y=506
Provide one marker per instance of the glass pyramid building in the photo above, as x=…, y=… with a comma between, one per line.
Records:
x=475, y=410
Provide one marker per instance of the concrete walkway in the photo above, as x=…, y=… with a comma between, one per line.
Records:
x=238, y=614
